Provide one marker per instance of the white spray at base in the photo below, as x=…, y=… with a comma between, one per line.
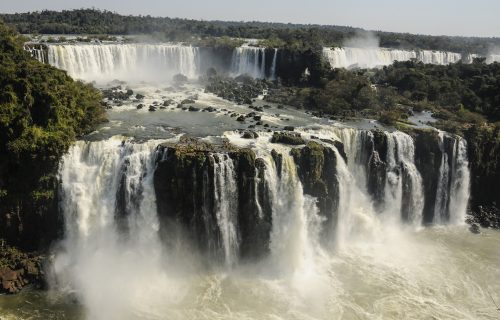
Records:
x=109, y=271
x=120, y=270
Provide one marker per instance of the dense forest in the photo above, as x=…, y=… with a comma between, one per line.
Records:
x=457, y=93
x=42, y=112
x=90, y=21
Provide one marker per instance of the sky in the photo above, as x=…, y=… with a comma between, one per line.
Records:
x=436, y=17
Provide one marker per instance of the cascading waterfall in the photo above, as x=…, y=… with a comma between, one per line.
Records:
x=442, y=196
x=404, y=187
x=290, y=241
x=249, y=60
x=273, y=65
x=125, y=61
x=460, y=182
x=226, y=206
x=348, y=57
x=114, y=228
x=37, y=51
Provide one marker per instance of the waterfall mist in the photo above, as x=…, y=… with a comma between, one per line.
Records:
x=121, y=264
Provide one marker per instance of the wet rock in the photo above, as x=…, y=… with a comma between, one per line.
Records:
x=316, y=167
x=18, y=269
x=250, y=135
x=289, y=128
x=241, y=119
x=257, y=118
x=487, y=216
x=184, y=183
x=474, y=228
x=287, y=138
x=152, y=108
x=168, y=102
x=376, y=177
x=139, y=96
x=140, y=106
x=188, y=101
x=193, y=109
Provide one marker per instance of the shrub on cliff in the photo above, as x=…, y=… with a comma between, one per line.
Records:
x=42, y=111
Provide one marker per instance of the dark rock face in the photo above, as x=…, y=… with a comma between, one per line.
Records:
x=428, y=162
x=485, y=216
x=184, y=184
x=19, y=269
x=376, y=177
x=484, y=158
x=30, y=223
x=316, y=167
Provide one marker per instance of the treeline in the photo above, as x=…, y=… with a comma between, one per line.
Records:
x=42, y=112
x=90, y=21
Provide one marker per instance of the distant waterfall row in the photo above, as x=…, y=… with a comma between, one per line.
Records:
x=232, y=205
x=376, y=57
x=157, y=62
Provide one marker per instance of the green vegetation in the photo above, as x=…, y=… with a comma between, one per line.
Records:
x=220, y=42
x=42, y=112
x=278, y=35
x=459, y=94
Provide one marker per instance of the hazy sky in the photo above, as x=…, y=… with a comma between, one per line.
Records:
x=450, y=17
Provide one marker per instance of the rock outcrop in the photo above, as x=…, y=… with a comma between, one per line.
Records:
x=316, y=168
x=18, y=269
x=184, y=184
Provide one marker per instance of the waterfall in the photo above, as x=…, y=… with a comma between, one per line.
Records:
x=273, y=65
x=460, y=182
x=405, y=183
x=37, y=51
x=293, y=215
x=117, y=243
x=491, y=58
x=348, y=57
x=104, y=181
x=249, y=60
x=226, y=206
x=108, y=195
x=105, y=62
x=442, y=196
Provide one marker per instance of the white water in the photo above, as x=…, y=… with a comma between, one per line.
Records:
x=442, y=196
x=226, y=206
x=377, y=266
x=273, y=65
x=129, y=62
x=149, y=62
x=348, y=57
x=403, y=153
x=460, y=182
x=249, y=60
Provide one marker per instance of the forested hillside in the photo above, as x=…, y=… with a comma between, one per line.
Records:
x=42, y=112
